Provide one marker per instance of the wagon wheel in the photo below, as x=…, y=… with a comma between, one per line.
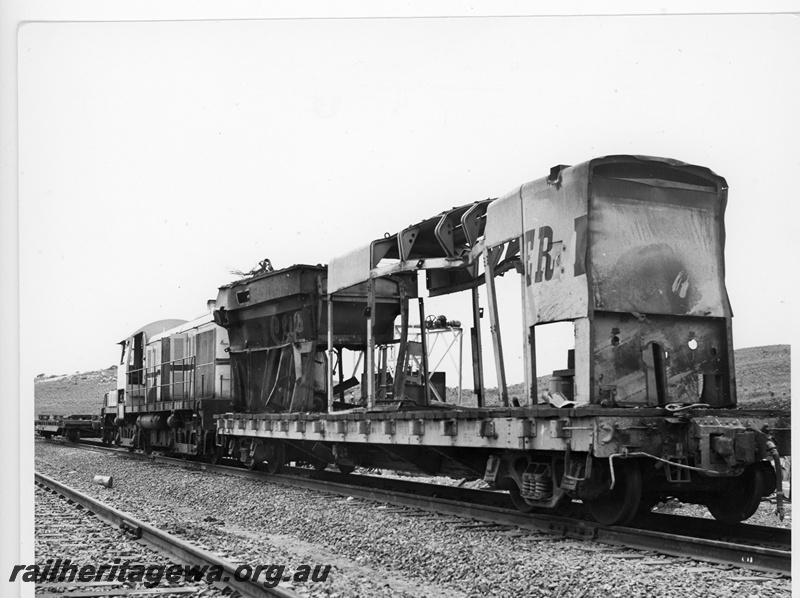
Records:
x=620, y=505
x=517, y=499
x=276, y=457
x=255, y=455
x=207, y=449
x=740, y=498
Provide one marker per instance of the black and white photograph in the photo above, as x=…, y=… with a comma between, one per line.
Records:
x=333, y=300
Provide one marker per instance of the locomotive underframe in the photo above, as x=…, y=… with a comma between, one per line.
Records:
x=183, y=427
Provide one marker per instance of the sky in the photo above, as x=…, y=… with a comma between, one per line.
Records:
x=149, y=148
x=157, y=157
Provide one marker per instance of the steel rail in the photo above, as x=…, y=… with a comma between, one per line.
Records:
x=664, y=541
x=164, y=542
x=757, y=558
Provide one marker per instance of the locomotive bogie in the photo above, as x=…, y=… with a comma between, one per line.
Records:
x=173, y=432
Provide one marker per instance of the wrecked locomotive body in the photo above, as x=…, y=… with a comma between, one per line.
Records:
x=629, y=249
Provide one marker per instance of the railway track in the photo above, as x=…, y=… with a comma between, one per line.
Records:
x=166, y=544
x=757, y=548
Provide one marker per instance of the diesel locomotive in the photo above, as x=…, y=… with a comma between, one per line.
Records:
x=322, y=364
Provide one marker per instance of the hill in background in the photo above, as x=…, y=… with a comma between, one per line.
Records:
x=763, y=375
x=79, y=393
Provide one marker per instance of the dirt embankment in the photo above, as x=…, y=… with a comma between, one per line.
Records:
x=78, y=393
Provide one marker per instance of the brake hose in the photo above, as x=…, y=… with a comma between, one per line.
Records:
x=772, y=449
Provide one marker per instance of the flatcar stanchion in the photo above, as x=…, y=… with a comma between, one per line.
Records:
x=423, y=339
x=477, y=356
x=494, y=322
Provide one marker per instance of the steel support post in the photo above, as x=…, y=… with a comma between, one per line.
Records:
x=477, y=349
x=494, y=320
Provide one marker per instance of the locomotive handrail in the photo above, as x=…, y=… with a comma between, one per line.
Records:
x=186, y=384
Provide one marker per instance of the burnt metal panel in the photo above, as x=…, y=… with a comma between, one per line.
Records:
x=661, y=319
x=660, y=359
x=554, y=213
x=271, y=310
x=271, y=286
x=655, y=249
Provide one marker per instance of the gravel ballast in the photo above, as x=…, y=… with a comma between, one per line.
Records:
x=68, y=537
x=374, y=550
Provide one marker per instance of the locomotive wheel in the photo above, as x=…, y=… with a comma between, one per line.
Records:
x=740, y=498
x=276, y=456
x=345, y=469
x=620, y=505
x=145, y=443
